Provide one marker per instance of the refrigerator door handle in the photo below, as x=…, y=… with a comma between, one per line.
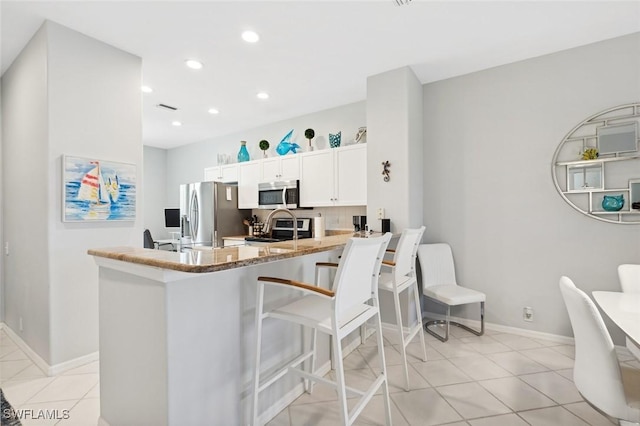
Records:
x=193, y=211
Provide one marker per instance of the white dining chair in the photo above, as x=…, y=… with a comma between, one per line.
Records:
x=439, y=284
x=605, y=384
x=629, y=276
x=398, y=276
x=351, y=301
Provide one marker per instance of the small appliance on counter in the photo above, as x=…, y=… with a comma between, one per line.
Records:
x=359, y=223
x=282, y=230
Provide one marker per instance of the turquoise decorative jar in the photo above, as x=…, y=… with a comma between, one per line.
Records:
x=334, y=140
x=613, y=203
x=243, y=154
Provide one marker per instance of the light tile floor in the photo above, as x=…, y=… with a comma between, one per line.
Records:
x=497, y=379
x=74, y=394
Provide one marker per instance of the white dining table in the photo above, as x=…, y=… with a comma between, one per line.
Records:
x=623, y=309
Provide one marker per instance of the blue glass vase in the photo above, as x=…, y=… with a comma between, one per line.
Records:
x=243, y=154
x=613, y=203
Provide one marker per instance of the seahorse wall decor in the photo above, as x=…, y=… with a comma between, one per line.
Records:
x=386, y=171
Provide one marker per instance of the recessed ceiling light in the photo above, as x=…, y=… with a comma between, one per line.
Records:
x=146, y=89
x=176, y=123
x=263, y=95
x=250, y=36
x=193, y=64
x=213, y=111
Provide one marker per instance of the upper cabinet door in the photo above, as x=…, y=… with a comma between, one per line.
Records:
x=270, y=169
x=248, y=178
x=351, y=175
x=226, y=173
x=281, y=168
x=229, y=173
x=290, y=167
x=317, y=179
x=212, y=174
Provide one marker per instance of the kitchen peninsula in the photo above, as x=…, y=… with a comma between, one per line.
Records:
x=176, y=331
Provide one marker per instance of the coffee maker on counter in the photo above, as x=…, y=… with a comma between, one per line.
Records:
x=359, y=223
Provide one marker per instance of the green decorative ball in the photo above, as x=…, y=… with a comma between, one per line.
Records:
x=264, y=145
x=309, y=133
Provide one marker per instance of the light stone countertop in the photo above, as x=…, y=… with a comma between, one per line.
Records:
x=219, y=259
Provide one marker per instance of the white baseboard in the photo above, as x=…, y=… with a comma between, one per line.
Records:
x=475, y=324
x=566, y=340
x=49, y=370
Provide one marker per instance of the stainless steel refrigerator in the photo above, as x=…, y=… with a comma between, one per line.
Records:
x=209, y=212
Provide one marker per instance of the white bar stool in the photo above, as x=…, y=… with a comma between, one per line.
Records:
x=352, y=300
x=401, y=276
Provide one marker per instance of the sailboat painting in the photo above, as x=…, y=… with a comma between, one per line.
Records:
x=96, y=190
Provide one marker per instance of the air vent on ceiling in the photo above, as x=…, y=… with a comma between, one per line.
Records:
x=402, y=2
x=169, y=107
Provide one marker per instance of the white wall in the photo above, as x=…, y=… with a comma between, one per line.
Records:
x=25, y=175
x=155, y=179
x=65, y=94
x=489, y=141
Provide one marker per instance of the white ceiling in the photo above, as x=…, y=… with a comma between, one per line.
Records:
x=312, y=55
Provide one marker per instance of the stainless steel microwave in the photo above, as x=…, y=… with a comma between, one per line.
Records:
x=273, y=195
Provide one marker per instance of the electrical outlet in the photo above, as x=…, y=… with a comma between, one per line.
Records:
x=380, y=213
x=527, y=313
x=6, y=248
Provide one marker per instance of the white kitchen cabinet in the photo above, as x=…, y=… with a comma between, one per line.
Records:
x=334, y=177
x=286, y=167
x=225, y=173
x=351, y=175
x=248, y=178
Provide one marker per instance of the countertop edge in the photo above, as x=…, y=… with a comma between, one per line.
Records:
x=204, y=261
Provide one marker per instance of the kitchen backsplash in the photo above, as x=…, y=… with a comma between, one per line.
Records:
x=334, y=217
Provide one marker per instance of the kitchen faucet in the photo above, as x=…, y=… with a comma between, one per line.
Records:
x=284, y=210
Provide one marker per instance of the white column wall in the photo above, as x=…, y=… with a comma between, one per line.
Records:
x=489, y=142
x=65, y=94
x=95, y=110
x=25, y=173
x=394, y=132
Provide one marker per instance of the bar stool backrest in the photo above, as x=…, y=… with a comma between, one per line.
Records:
x=357, y=276
x=405, y=255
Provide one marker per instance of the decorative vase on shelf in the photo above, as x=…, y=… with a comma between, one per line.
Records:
x=243, y=154
x=334, y=140
x=613, y=203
